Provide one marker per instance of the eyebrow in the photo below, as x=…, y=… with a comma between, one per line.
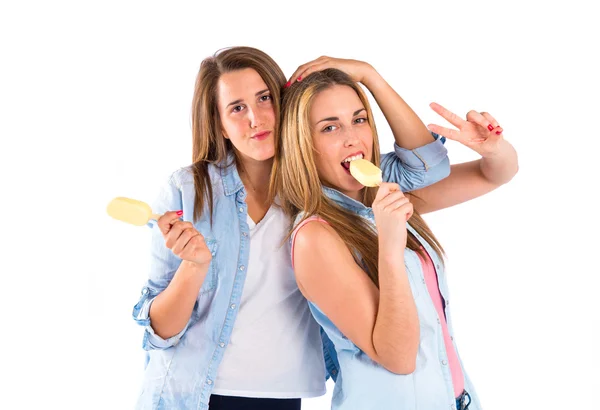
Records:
x=337, y=119
x=241, y=99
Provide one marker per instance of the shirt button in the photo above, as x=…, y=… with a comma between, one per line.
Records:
x=242, y=267
x=437, y=266
x=334, y=372
x=452, y=338
x=232, y=306
x=145, y=291
x=213, y=253
x=444, y=362
x=438, y=319
x=241, y=209
x=245, y=233
x=209, y=381
x=423, y=280
x=222, y=344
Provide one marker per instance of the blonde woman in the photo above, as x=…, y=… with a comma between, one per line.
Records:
x=368, y=264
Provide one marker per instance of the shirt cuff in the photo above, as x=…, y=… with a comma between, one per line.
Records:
x=423, y=157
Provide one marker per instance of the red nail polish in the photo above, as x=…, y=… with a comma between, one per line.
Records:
x=299, y=78
x=498, y=132
x=287, y=84
x=490, y=127
x=179, y=213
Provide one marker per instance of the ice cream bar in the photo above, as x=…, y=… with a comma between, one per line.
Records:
x=130, y=211
x=365, y=172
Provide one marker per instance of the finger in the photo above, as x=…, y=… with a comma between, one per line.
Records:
x=396, y=204
x=390, y=199
x=490, y=119
x=384, y=189
x=476, y=118
x=313, y=69
x=448, y=115
x=183, y=240
x=406, y=209
x=176, y=230
x=167, y=220
x=445, y=132
x=302, y=68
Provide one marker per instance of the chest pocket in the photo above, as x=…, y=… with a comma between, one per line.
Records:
x=211, y=279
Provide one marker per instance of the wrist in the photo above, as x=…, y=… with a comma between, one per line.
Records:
x=193, y=269
x=371, y=78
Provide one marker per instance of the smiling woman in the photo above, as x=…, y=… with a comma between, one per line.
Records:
x=370, y=267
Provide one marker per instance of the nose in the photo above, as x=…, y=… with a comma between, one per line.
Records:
x=351, y=138
x=256, y=118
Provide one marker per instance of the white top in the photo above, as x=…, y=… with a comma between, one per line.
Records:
x=275, y=350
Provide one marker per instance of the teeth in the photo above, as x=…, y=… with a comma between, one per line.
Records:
x=349, y=159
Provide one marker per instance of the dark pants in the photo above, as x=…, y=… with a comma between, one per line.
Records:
x=463, y=402
x=248, y=403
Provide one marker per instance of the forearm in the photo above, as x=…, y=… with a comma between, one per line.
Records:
x=396, y=331
x=408, y=129
x=502, y=166
x=172, y=308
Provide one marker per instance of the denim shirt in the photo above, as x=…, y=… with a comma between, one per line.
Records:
x=363, y=384
x=180, y=371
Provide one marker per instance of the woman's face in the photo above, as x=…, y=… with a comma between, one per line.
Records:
x=247, y=113
x=340, y=132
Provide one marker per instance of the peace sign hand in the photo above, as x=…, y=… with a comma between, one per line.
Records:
x=480, y=131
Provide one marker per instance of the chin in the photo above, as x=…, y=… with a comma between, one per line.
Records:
x=263, y=154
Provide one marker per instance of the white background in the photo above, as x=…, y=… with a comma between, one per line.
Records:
x=95, y=103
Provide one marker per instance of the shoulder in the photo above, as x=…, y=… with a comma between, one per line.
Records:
x=316, y=246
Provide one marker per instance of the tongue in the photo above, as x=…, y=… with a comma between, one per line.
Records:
x=346, y=165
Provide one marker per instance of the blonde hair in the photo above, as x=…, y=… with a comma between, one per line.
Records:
x=209, y=146
x=296, y=181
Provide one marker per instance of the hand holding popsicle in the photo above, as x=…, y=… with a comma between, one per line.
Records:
x=181, y=237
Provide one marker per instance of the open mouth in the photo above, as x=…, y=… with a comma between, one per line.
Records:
x=346, y=163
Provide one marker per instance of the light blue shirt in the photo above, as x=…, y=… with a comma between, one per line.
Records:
x=181, y=370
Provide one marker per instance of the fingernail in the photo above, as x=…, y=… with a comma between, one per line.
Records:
x=490, y=127
x=179, y=213
x=299, y=78
x=287, y=84
x=498, y=132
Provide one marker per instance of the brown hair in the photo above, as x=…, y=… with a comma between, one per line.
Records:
x=295, y=178
x=209, y=146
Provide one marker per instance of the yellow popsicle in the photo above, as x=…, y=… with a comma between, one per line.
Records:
x=131, y=211
x=365, y=172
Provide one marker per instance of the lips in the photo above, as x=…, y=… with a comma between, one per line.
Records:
x=261, y=135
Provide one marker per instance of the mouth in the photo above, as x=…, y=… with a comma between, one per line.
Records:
x=346, y=162
x=259, y=136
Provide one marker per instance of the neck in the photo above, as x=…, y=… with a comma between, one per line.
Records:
x=255, y=175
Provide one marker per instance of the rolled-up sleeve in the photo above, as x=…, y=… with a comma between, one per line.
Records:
x=163, y=265
x=416, y=168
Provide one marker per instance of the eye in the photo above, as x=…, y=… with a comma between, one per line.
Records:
x=361, y=120
x=266, y=97
x=329, y=128
x=237, y=108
